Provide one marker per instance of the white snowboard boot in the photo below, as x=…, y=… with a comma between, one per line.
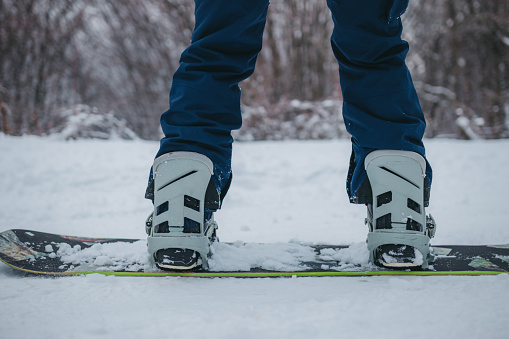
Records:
x=399, y=230
x=181, y=228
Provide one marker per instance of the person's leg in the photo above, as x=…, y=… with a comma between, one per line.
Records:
x=192, y=170
x=388, y=170
x=205, y=96
x=381, y=109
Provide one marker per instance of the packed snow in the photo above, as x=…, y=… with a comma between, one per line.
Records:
x=272, y=256
x=237, y=256
x=108, y=257
x=285, y=195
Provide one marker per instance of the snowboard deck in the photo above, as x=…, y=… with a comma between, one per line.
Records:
x=34, y=252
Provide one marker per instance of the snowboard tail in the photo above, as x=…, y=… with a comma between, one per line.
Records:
x=51, y=254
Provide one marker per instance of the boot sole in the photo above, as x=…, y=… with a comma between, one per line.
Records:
x=167, y=267
x=400, y=265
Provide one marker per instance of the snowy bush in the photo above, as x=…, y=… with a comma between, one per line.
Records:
x=85, y=122
x=293, y=120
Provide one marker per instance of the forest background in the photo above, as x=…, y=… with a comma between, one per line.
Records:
x=112, y=62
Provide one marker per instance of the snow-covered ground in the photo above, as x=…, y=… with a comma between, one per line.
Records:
x=282, y=192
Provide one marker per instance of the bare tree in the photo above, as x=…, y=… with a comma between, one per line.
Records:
x=36, y=36
x=296, y=61
x=120, y=56
x=139, y=44
x=464, y=51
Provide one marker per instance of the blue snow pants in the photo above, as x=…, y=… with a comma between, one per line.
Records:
x=381, y=109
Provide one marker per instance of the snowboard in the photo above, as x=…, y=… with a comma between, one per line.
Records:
x=41, y=253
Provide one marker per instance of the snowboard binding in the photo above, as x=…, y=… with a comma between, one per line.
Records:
x=181, y=227
x=399, y=230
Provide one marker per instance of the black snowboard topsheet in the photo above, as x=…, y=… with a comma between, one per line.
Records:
x=28, y=251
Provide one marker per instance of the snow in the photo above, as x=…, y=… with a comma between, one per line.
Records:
x=356, y=254
x=284, y=194
x=272, y=256
x=85, y=122
x=117, y=256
